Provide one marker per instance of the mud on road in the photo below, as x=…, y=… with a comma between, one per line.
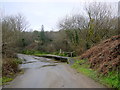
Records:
x=46, y=73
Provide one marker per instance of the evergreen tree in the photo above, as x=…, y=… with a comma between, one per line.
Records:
x=42, y=34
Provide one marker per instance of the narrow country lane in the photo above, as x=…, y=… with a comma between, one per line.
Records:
x=46, y=73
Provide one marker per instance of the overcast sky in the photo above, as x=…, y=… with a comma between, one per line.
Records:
x=46, y=12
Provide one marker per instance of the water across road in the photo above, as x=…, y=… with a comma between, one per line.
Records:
x=40, y=72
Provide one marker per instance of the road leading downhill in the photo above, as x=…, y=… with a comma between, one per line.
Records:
x=46, y=73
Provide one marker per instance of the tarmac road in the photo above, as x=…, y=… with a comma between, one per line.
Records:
x=46, y=73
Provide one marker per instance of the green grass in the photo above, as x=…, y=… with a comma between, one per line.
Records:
x=33, y=52
x=18, y=61
x=6, y=79
x=38, y=53
x=110, y=80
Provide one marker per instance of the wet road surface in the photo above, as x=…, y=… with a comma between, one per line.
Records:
x=46, y=73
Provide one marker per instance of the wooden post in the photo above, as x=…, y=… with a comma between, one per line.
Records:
x=60, y=51
x=71, y=53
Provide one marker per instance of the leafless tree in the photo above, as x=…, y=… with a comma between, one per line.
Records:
x=12, y=26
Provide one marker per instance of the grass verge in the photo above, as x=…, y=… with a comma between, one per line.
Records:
x=111, y=80
x=6, y=79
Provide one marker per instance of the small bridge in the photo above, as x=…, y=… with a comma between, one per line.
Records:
x=69, y=60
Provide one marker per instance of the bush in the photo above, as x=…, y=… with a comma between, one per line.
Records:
x=10, y=66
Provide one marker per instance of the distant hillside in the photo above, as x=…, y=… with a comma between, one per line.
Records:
x=105, y=56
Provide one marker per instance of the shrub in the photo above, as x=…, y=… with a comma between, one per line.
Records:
x=10, y=66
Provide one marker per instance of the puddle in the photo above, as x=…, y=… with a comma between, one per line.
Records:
x=32, y=62
x=33, y=65
x=28, y=62
x=49, y=65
